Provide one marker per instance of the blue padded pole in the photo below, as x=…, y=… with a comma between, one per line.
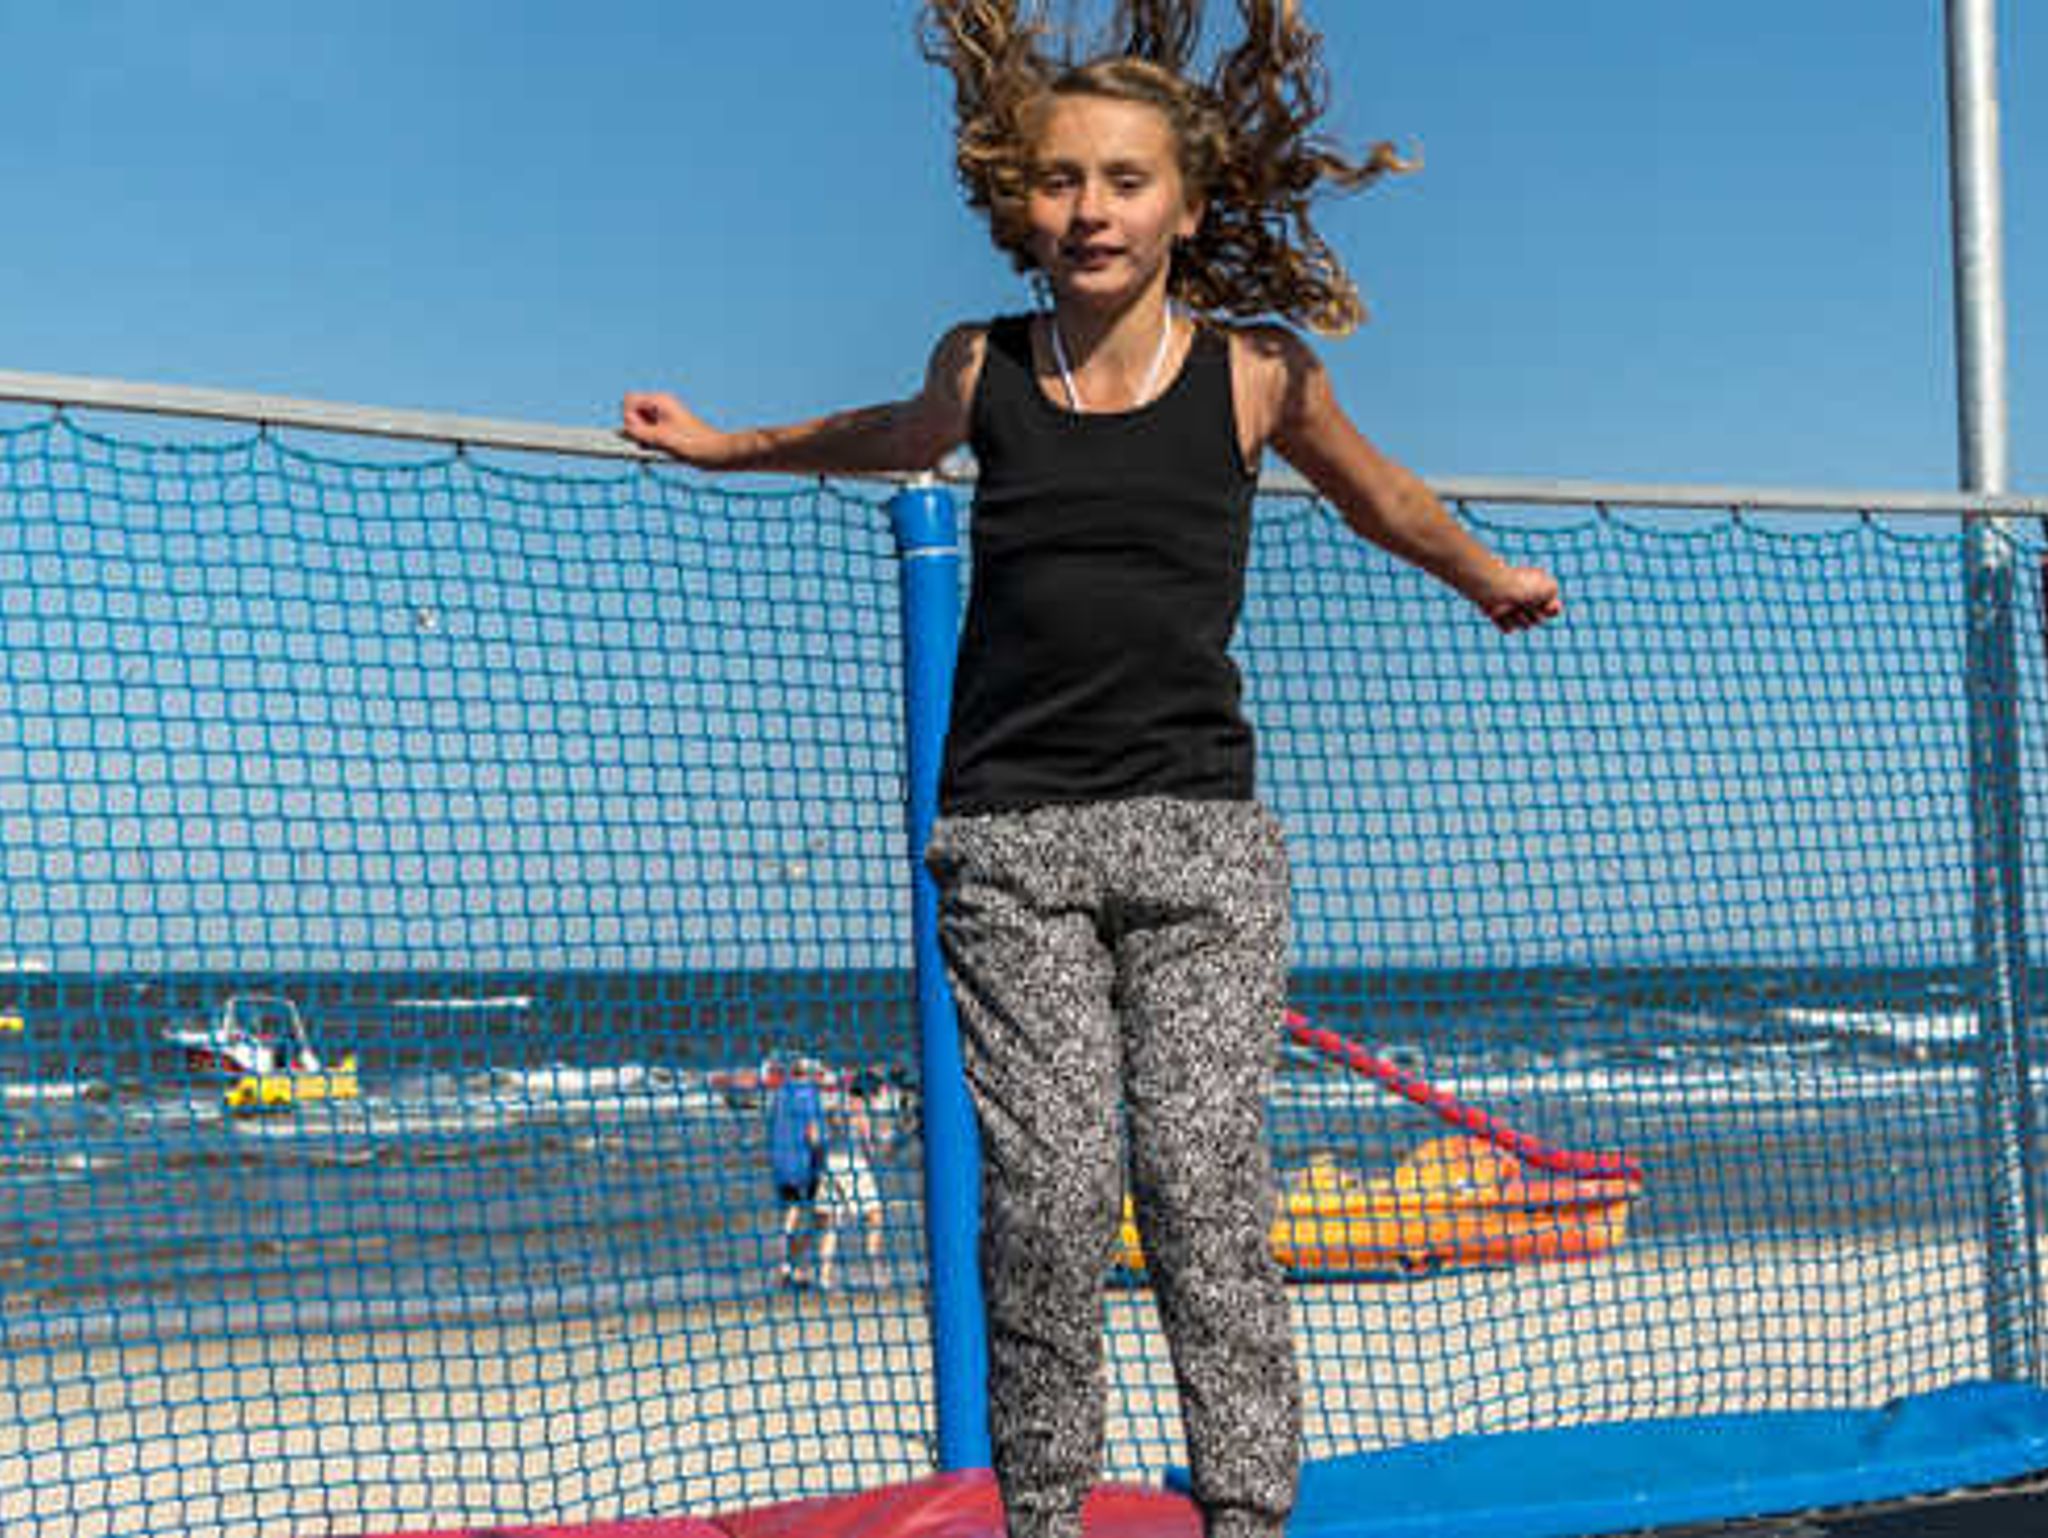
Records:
x=927, y=541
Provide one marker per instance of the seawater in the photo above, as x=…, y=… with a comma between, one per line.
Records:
x=581, y=1135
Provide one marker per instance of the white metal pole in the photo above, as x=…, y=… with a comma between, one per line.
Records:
x=2013, y=1302
x=1978, y=221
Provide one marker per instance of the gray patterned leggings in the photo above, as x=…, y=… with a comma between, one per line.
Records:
x=1128, y=951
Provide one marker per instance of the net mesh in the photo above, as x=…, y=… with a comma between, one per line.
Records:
x=555, y=814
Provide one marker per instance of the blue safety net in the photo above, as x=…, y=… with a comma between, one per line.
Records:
x=437, y=886
x=557, y=814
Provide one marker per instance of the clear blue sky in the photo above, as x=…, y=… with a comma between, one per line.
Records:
x=1654, y=240
x=1669, y=240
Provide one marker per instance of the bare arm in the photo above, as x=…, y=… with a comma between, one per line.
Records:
x=1381, y=500
x=905, y=435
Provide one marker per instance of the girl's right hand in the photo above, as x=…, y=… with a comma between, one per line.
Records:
x=660, y=421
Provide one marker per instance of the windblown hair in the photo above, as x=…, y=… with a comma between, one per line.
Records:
x=1246, y=133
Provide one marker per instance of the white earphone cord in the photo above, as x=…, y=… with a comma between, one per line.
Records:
x=1059, y=354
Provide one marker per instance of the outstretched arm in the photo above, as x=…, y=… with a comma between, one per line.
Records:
x=1383, y=501
x=905, y=435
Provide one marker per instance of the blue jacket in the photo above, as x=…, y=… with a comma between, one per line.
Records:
x=796, y=1134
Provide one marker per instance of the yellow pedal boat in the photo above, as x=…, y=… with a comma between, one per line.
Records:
x=258, y=1045
x=1454, y=1201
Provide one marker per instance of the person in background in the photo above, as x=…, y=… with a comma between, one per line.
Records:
x=796, y=1160
x=849, y=1194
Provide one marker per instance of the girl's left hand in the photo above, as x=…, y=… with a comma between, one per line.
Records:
x=1521, y=598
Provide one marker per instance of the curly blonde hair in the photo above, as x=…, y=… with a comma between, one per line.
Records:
x=1245, y=135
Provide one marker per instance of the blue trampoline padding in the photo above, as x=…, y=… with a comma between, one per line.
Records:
x=1580, y=1481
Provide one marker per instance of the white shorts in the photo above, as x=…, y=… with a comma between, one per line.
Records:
x=848, y=1190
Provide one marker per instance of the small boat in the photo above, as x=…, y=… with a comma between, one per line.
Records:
x=258, y=1044
x=1454, y=1201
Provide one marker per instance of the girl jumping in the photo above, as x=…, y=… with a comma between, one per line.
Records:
x=1113, y=897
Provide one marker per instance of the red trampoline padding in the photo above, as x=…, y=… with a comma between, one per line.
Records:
x=962, y=1505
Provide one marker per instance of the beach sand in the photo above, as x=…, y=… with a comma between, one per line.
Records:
x=712, y=1408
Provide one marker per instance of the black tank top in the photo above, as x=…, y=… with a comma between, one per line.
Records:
x=1108, y=571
